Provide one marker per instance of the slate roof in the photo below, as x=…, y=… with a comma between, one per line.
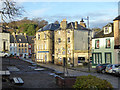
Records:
x=21, y=39
x=102, y=35
x=71, y=25
x=30, y=39
x=117, y=18
x=12, y=39
x=51, y=26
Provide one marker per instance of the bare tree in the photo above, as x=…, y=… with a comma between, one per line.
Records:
x=10, y=9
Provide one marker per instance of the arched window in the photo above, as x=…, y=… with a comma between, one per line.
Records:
x=22, y=50
x=22, y=45
x=19, y=45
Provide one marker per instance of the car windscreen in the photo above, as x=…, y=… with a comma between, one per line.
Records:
x=117, y=66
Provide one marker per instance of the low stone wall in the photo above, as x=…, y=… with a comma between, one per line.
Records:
x=66, y=81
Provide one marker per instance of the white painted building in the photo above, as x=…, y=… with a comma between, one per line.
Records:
x=13, y=46
x=103, y=46
x=4, y=41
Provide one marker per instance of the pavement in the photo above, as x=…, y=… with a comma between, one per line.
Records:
x=80, y=71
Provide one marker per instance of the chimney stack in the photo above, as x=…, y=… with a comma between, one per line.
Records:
x=63, y=24
x=116, y=33
x=82, y=23
x=13, y=34
x=76, y=24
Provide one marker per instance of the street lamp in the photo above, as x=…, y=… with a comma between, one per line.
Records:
x=88, y=42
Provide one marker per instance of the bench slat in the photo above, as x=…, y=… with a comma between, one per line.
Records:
x=20, y=80
x=3, y=72
x=15, y=80
x=7, y=73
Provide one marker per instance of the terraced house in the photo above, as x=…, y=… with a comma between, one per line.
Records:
x=71, y=43
x=45, y=43
x=22, y=44
x=103, y=46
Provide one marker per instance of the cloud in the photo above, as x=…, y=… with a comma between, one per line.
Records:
x=100, y=22
x=36, y=13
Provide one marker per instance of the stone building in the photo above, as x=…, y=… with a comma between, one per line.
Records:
x=45, y=43
x=117, y=38
x=30, y=40
x=21, y=44
x=4, y=40
x=71, y=42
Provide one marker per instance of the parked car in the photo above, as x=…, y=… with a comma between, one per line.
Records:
x=112, y=68
x=101, y=68
x=4, y=54
x=117, y=70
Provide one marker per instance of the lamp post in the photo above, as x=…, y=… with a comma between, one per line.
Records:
x=88, y=42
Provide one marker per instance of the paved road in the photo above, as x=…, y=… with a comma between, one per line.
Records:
x=32, y=79
x=41, y=79
x=114, y=80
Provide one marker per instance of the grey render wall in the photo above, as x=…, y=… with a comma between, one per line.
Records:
x=80, y=40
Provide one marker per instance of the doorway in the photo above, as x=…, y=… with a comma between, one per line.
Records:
x=4, y=44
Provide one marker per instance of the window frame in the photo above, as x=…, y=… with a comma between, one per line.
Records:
x=96, y=43
x=38, y=36
x=110, y=57
x=68, y=39
x=107, y=43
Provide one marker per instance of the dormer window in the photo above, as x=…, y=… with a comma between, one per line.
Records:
x=108, y=29
x=20, y=40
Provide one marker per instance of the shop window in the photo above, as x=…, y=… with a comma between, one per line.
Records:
x=81, y=59
x=108, y=58
x=97, y=58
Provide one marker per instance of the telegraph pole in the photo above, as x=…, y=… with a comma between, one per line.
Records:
x=88, y=44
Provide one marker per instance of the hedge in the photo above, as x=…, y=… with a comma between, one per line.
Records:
x=91, y=82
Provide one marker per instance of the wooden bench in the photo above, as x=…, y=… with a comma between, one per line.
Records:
x=5, y=73
x=17, y=81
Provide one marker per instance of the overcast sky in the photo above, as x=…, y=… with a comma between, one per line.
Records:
x=100, y=13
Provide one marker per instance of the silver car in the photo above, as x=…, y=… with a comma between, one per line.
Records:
x=117, y=70
x=112, y=68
